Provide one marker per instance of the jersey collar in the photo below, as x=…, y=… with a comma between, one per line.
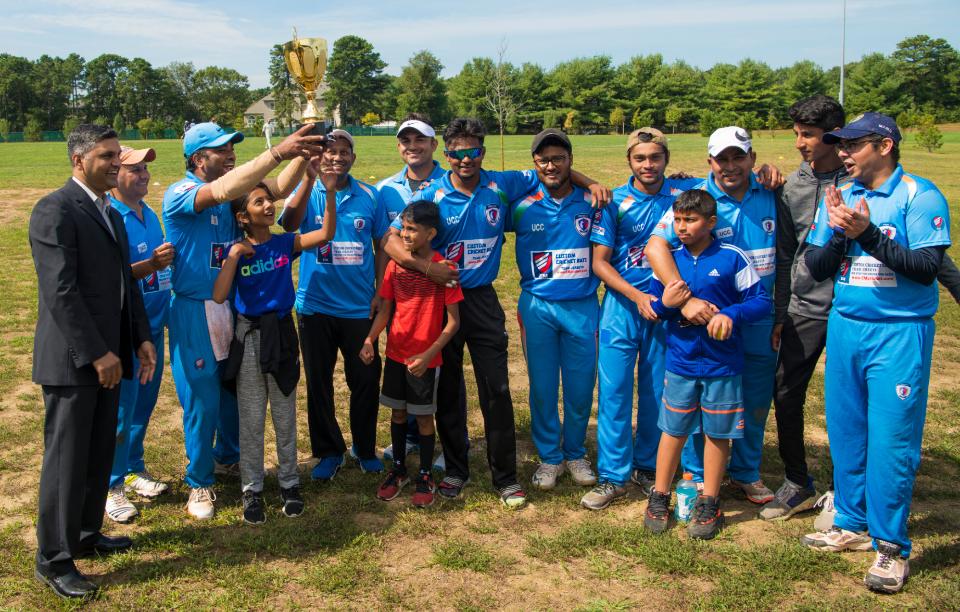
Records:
x=888, y=185
x=122, y=208
x=576, y=195
x=719, y=194
x=401, y=177
x=641, y=195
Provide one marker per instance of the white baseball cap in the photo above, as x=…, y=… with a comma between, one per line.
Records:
x=420, y=126
x=726, y=137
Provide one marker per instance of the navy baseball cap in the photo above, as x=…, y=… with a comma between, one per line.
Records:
x=207, y=136
x=864, y=125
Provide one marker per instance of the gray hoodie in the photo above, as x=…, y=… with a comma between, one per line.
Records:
x=795, y=290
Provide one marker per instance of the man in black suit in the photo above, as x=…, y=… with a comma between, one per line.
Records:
x=90, y=320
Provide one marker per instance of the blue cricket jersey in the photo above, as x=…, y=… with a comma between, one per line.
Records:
x=750, y=225
x=143, y=237
x=723, y=275
x=202, y=239
x=553, y=244
x=395, y=192
x=472, y=226
x=626, y=223
x=338, y=278
x=912, y=212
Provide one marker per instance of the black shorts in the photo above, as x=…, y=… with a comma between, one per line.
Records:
x=403, y=391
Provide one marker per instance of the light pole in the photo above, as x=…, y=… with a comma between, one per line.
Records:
x=843, y=49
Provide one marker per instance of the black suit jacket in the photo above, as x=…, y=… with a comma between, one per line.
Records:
x=81, y=271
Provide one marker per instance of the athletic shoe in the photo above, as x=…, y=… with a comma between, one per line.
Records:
x=253, y=513
x=371, y=465
x=144, y=484
x=889, y=570
x=118, y=507
x=645, y=479
x=603, y=495
x=707, y=518
x=231, y=470
x=545, y=478
x=423, y=495
x=388, y=451
x=836, y=539
x=292, y=501
x=512, y=496
x=657, y=516
x=581, y=472
x=327, y=468
x=756, y=491
x=824, y=520
x=440, y=463
x=200, y=503
x=451, y=487
x=392, y=484
x=790, y=499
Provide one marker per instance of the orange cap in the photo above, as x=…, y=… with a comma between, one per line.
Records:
x=130, y=156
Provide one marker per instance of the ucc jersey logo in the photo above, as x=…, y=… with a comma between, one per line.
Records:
x=903, y=391
x=768, y=224
x=582, y=223
x=492, y=213
x=542, y=264
x=455, y=253
x=937, y=223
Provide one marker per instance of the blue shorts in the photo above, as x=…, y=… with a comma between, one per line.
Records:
x=713, y=406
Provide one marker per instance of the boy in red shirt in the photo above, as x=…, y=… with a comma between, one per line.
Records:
x=414, y=306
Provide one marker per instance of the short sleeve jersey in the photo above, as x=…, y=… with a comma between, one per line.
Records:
x=472, y=226
x=202, y=239
x=338, y=278
x=395, y=192
x=625, y=226
x=553, y=244
x=264, y=281
x=750, y=225
x=419, y=306
x=143, y=237
x=912, y=212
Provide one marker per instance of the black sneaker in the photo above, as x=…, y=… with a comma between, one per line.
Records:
x=253, y=513
x=645, y=479
x=657, y=515
x=707, y=519
x=292, y=501
x=451, y=487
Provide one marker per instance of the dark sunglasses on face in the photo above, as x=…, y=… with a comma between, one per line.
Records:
x=462, y=154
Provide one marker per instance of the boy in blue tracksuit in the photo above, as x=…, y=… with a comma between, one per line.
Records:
x=882, y=237
x=702, y=386
x=557, y=310
x=747, y=219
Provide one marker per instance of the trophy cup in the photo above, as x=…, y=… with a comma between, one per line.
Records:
x=306, y=59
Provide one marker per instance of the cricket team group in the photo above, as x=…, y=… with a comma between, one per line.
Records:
x=720, y=294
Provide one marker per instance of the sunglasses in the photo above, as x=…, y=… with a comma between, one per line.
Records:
x=462, y=154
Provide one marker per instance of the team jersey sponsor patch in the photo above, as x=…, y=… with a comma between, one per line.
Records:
x=768, y=225
x=340, y=253
x=763, y=260
x=888, y=230
x=219, y=252
x=492, y=214
x=866, y=271
x=903, y=391
x=142, y=248
x=937, y=223
x=561, y=264
x=157, y=281
x=359, y=223
x=636, y=259
x=470, y=254
x=582, y=223
x=723, y=232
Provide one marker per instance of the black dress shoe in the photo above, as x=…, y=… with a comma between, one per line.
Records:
x=71, y=585
x=105, y=545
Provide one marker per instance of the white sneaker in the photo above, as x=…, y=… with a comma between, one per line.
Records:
x=889, y=570
x=545, y=478
x=144, y=484
x=824, y=520
x=119, y=508
x=582, y=473
x=388, y=451
x=440, y=464
x=836, y=539
x=226, y=469
x=200, y=503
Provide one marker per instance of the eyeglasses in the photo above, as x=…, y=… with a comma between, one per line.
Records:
x=462, y=154
x=852, y=146
x=557, y=160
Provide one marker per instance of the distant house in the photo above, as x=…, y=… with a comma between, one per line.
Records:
x=263, y=109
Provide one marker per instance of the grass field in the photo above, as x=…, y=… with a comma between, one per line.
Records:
x=351, y=551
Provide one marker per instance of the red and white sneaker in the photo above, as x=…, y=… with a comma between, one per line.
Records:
x=424, y=494
x=392, y=485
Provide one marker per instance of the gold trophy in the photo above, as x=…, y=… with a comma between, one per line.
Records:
x=306, y=59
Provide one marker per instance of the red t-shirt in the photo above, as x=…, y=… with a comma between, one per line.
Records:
x=419, y=306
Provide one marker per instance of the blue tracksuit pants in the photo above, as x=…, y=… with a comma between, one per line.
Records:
x=210, y=421
x=876, y=383
x=628, y=343
x=559, y=340
x=759, y=370
x=136, y=406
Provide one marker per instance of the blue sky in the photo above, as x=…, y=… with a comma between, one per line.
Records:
x=239, y=34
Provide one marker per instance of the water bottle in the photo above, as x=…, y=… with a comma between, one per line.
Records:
x=686, y=498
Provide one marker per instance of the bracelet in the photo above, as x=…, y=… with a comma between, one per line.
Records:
x=276, y=156
x=427, y=271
